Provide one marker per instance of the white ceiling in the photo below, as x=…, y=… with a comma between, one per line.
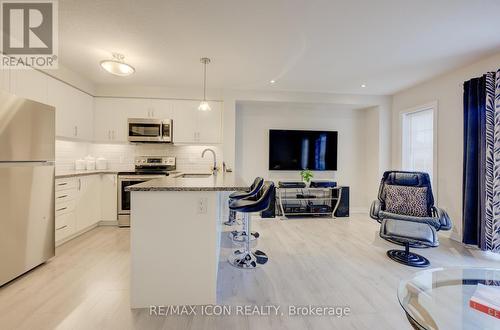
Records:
x=306, y=45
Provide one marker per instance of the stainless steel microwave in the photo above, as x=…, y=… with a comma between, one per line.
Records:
x=150, y=130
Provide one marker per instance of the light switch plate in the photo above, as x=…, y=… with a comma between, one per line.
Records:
x=202, y=205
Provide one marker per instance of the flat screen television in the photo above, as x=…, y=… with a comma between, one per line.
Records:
x=291, y=150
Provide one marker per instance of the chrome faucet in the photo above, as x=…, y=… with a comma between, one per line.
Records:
x=214, y=169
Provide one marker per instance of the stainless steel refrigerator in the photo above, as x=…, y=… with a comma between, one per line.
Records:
x=27, y=150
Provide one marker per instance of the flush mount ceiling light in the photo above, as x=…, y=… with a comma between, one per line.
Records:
x=363, y=85
x=204, y=106
x=273, y=81
x=117, y=66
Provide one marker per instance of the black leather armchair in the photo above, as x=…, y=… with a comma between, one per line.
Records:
x=410, y=231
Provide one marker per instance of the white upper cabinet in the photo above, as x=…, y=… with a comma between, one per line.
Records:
x=210, y=124
x=111, y=115
x=194, y=126
x=4, y=77
x=161, y=109
x=185, y=121
x=136, y=108
x=74, y=110
x=58, y=97
x=110, y=120
x=84, y=105
x=30, y=84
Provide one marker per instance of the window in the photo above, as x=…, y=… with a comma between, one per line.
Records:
x=418, y=140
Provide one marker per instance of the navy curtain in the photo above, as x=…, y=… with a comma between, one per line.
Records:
x=474, y=167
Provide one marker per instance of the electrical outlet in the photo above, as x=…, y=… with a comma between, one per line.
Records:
x=202, y=205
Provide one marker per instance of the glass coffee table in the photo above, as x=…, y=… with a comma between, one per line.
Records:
x=441, y=298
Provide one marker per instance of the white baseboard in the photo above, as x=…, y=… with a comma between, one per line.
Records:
x=78, y=233
x=108, y=223
x=359, y=210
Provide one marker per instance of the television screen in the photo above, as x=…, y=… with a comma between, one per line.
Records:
x=298, y=150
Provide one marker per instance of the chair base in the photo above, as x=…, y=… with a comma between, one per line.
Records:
x=247, y=260
x=408, y=258
x=412, y=245
x=241, y=236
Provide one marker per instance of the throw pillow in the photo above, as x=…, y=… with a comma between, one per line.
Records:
x=406, y=200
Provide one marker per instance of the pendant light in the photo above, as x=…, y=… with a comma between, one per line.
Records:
x=117, y=66
x=204, y=106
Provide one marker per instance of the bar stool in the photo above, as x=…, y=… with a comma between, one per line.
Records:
x=254, y=189
x=245, y=258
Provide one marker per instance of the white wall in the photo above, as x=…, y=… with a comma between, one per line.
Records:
x=72, y=78
x=356, y=166
x=447, y=90
x=232, y=97
x=374, y=165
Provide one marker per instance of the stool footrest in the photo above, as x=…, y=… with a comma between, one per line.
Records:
x=241, y=236
x=246, y=259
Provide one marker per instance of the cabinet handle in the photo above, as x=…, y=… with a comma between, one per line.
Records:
x=62, y=227
x=76, y=130
x=62, y=208
x=63, y=196
x=62, y=184
x=79, y=184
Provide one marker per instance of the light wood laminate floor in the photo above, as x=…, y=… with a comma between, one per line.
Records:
x=322, y=262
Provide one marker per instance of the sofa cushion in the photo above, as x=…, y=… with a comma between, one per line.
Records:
x=406, y=200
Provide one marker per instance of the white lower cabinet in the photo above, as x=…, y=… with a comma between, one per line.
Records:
x=65, y=199
x=82, y=202
x=65, y=226
x=109, y=197
x=88, y=203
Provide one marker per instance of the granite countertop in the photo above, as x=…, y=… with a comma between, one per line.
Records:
x=218, y=182
x=72, y=173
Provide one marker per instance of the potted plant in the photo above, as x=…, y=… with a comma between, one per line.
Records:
x=306, y=175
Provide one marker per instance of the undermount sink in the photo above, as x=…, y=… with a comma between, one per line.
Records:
x=195, y=175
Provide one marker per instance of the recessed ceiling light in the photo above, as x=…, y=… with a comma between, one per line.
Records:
x=363, y=85
x=117, y=66
x=272, y=81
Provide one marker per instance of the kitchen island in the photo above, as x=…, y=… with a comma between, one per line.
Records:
x=175, y=238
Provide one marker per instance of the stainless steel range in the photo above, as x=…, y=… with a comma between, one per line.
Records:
x=146, y=168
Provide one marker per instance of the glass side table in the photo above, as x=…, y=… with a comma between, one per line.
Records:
x=440, y=298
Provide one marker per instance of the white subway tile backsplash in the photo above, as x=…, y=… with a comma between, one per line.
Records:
x=120, y=157
x=68, y=151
